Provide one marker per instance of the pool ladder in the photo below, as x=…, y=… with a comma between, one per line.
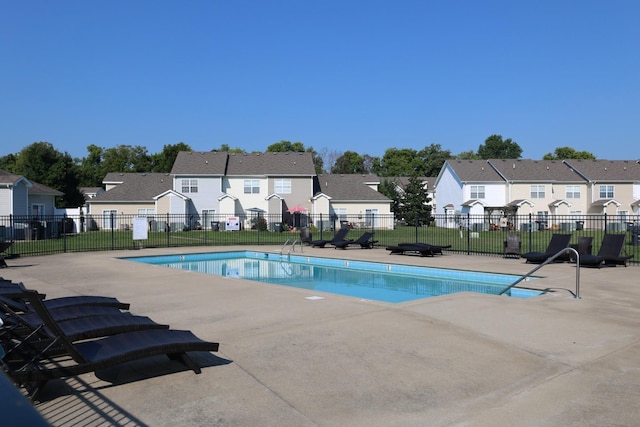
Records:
x=292, y=246
x=550, y=259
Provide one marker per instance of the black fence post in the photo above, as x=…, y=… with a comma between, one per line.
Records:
x=605, y=223
x=415, y=226
x=530, y=228
x=64, y=233
x=468, y=234
x=258, y=223
x=113, y=234
x=167, y=229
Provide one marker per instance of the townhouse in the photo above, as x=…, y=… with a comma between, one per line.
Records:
x=558, y=193
x=208, y=188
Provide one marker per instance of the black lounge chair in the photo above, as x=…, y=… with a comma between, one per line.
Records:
x=558, y=242
x=305, y=235
x=609, y=254
x=97, y=354
x=424, y=249
x=15, y=291
x=583, y=247
x=512, y=245
x=3, y=247
x=19, y=326
x=338, y=237
x=365, y=241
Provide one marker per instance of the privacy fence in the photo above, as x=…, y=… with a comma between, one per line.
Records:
x=467, y=234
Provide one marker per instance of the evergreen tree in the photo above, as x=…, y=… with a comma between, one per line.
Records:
x=414, y=207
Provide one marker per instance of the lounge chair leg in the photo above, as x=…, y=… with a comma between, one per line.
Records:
x=186, y=360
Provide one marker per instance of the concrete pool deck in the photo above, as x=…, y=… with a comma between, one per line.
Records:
x=286, y=360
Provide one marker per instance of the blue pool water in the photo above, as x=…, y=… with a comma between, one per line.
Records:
x=369, y=280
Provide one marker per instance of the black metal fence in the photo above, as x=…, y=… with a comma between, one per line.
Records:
x=468, y=234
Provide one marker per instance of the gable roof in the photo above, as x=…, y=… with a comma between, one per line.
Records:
x=271, y=164
x=200, y=163
x=9, y=179
x=607, y=170
x=535, y=170
x=474, y=171
x=43, y=190
x=348, y=187
x=135, y=187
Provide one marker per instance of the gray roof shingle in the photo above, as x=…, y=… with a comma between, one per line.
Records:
x=271, y=164
x=135, y=187
x=349, y=187
x=535, y=170
x=200, y=163
x=607, y=170
x=475, y=171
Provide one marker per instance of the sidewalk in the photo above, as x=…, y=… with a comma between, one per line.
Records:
x=456, y=360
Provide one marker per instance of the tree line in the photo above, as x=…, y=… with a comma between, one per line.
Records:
x=43, y=163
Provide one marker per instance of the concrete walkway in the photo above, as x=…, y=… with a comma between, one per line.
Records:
x=285, y=360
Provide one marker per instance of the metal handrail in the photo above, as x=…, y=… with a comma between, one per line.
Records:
x=284, y=246
x=550, y=259
x=293, y=246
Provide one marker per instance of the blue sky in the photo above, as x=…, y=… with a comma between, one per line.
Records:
x=335, y=75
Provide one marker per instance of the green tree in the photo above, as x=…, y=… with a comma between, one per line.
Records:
x=414, y=204
x=163, y=162
x=432, y=157
x=42, y=163
x=8, y=162
x=399, y=162
x=467, y=155
x=227, y=149
x=495, y=148
x=284, y=146
x=390, y=189
x=562, y=153
x=350, y=162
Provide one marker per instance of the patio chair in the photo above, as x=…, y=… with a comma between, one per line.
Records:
x=305, y=235
x=557, y=243
x=424, y=249
x=365, y=241
x=583, y=247
x=19, y=326
x=512, y=246
x=34, y=371
x=3, y=247
x=609, y=253
x=15, y=291
x=340, y=236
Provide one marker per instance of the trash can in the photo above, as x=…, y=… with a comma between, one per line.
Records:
x=215, y=225
x=635, y=236
x=579, y=225
x=344, y=224
x=277, y=227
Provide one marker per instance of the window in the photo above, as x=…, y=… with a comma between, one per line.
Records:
x=208, y=216
x=37, y=210
x=572, y=192
x=537, y=192
x=282, y=186
x=606, y=192
x=340, y=214
x=107, y=215
x=146, y=212
x=371, y=217
x=189, y=185
x=251, y=186
x=477, y=191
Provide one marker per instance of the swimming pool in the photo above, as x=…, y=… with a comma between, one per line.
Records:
x=368, y=280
